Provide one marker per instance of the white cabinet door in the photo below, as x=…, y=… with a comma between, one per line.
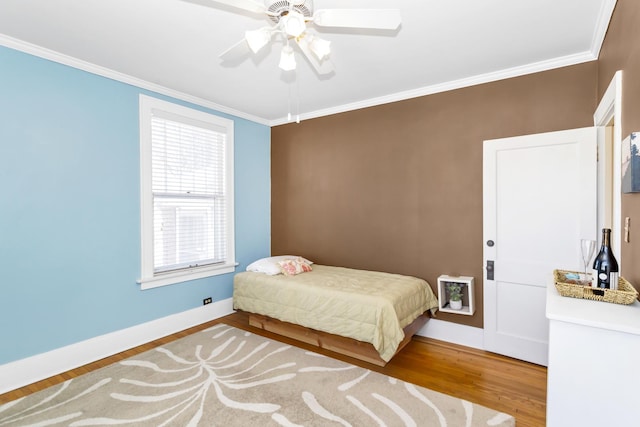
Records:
x=539, y=201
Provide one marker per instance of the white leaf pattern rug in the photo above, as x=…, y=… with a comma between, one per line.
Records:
x=225, y=376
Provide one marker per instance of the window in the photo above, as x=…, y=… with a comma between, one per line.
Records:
x=186, y=193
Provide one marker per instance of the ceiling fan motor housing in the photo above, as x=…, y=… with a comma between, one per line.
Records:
x=279, y=7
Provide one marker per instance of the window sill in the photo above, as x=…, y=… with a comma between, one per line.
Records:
x=185, y=275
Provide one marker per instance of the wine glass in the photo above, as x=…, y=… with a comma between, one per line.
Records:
x=587, y=249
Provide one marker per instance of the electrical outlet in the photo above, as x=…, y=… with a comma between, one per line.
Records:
x=206, y=301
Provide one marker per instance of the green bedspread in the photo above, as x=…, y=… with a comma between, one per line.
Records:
x=367, y=306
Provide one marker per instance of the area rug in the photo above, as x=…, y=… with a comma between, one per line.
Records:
x=225, y=376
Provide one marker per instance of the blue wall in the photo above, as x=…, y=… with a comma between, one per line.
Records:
x=70, y=208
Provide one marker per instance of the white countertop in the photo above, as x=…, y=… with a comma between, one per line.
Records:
x=597, y=314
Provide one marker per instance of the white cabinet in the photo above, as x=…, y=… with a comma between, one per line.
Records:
x=593, y=375
x=466, y=284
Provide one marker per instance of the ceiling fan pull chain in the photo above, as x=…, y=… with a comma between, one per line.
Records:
x=289, y=104
x=297, y=97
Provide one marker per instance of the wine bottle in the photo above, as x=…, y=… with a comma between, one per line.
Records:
x=605, y=266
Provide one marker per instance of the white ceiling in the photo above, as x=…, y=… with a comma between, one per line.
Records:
x=172, y=46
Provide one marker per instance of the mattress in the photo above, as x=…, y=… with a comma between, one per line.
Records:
x=368, y=306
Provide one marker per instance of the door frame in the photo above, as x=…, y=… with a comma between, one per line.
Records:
x=609, y=112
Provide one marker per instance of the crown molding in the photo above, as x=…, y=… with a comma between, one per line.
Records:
x=532, y=68
x=604, y=18
x=602, y=25
x=70, y=61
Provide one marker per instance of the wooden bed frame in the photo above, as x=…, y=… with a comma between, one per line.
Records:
x=348, y=346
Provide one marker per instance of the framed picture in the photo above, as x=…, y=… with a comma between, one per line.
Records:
x=631, y=163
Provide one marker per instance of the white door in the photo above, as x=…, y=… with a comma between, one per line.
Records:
x=539, y=201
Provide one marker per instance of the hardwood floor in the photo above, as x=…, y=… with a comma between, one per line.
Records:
x=495, y=381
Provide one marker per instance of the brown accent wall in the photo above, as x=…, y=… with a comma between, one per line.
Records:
x=621, y=51
x=398, y=187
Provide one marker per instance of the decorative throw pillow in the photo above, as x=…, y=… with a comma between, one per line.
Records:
x=291, y=267
x=270, y=265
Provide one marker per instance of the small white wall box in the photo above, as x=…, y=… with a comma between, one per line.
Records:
x=631, y=163
x=468, y=306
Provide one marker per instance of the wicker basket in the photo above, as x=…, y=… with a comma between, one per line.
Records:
x=625, y=294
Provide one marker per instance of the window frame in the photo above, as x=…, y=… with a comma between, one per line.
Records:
x=149, y=278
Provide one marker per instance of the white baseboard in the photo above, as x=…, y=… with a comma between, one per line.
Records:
x=35, y=368
x=454, y=333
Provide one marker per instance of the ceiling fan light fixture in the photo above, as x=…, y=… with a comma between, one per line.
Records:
x=290, y=19
x=287, y=59
x=257, y=39
x=321, y=48
x=293, y=23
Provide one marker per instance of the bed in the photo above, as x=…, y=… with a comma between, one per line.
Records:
x=364, y=314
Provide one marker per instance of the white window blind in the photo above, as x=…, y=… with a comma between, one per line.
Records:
x=188, y=193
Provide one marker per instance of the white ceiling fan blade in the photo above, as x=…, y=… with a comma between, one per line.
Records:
x=254, y=41
x=384, y=19
x=321, y=67
x=250, y=5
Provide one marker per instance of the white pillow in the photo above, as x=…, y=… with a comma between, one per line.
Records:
x=270, y=265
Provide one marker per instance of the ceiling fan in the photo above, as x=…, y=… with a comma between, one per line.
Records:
x=290, y=21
